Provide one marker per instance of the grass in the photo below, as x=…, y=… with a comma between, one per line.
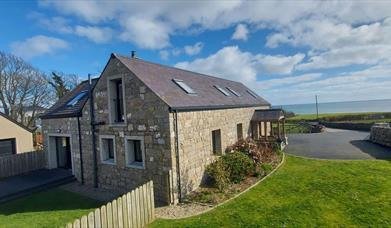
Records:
x=367, y=117
x=308, y=193
x=52, y=208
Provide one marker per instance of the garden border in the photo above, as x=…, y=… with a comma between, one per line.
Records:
x=230, y=199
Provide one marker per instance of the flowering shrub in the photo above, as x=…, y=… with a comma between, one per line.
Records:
x=258, y=152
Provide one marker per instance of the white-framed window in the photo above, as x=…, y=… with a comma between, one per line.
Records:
x=107, y=149
x=135, y=152
x=116, y=100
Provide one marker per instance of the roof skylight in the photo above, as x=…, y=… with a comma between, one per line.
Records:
x=77, y=98
x=252, y=93
x=233, y=91
x=184, y=86
x=222, y=90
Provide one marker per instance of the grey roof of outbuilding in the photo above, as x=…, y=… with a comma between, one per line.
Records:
x=61, y=110
x=268, y=115
x=159, y=79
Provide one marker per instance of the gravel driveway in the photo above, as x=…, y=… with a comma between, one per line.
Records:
x=336, y=144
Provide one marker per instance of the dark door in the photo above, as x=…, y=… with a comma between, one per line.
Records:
x=7, y=147
x=63, y=150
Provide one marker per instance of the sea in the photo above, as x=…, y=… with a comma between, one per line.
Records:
x=340, y=107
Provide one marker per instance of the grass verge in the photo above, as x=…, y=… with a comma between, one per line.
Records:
x=307, y=192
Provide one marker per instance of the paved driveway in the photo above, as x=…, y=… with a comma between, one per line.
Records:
x=336, y=144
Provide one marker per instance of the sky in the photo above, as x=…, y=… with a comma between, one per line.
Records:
x=286, y=51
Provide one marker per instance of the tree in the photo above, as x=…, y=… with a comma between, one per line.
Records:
x=63, y=83
x=22, y=85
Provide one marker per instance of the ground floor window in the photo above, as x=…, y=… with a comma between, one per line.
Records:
x=239, y=131
x=107, y=149
x=134, y=152
x=216, y=141
x=7, y=146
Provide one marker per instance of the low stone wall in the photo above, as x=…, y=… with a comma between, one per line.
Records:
x=349, y=126
x=381, y=135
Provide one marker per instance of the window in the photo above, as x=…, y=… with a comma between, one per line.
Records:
x=239, y=131
x=7, y=147
x=252, y=93
x=233, y=91
x=107, y=149
x=184, y=86
x=77, y=98
x=116, y=101
x=134, y=152
x=216, y=142
x=223, y=91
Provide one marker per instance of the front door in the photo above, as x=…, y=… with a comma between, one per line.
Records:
x=63, y=150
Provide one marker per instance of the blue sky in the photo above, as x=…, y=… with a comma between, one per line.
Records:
x=286, y=51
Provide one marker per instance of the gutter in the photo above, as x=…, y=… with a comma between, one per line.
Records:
x=213, y=107
x=178, y=171
x=80, y=151
x=93, y=136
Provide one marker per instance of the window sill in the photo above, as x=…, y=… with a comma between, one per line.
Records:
x=136, y=165
x=108, y=162
x=118, y=125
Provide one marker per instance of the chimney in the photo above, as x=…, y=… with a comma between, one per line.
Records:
x=133, y=54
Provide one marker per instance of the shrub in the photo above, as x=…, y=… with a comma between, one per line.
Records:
x=258, y=152
x=219, y=174
x=239, y=166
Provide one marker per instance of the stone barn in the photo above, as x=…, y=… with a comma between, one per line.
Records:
x=147, y=122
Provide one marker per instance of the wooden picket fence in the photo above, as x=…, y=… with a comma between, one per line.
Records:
x=134, y=209
x=16, y=164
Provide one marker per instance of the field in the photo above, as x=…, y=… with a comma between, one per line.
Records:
x=369, y=117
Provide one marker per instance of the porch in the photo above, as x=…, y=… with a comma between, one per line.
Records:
x=268, y=125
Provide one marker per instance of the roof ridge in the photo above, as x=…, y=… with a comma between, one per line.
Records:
x=176, y=68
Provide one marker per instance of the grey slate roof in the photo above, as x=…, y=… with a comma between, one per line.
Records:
x=268, y=115
x=159, y=79
x=61, y=110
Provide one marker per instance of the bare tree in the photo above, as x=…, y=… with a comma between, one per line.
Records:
x=21, y=85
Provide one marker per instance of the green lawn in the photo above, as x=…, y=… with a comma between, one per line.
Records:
x=308, y=193
x=53, y=208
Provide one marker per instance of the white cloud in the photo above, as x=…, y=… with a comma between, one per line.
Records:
x=231, y=63
x=277, y=82
x=363, y=55
x=241, y=32
x=37, y=46
x=194, y=49
x=96, y=34
x=146, y=33
x=157, y=21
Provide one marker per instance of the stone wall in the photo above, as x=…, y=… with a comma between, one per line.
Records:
x=195, y=139
x=349, y=126
x=146, y=116
x=381, y=135
x=62, y=127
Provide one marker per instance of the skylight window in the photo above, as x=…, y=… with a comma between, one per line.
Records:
x=184, y=86
x=77, y=98
x=223, y=91
x=233, y=91
x=252, y=93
